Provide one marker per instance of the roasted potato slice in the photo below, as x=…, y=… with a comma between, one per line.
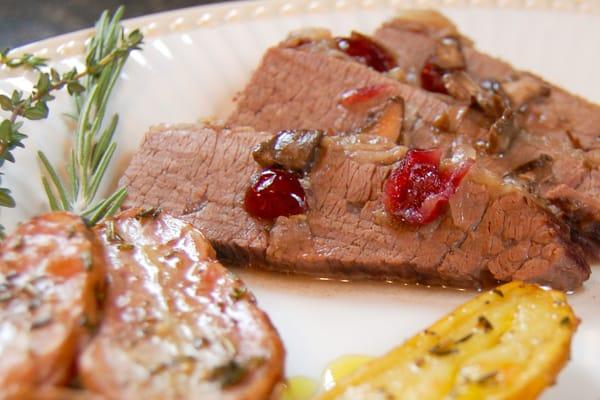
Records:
x=508, y=343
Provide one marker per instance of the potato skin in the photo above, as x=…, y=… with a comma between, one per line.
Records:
x=509, y=343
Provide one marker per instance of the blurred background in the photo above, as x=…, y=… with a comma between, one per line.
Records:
x=25, y=21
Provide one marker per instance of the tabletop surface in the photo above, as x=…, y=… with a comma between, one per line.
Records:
x=25, y=21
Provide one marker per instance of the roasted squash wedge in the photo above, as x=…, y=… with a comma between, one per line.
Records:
x=508, y=343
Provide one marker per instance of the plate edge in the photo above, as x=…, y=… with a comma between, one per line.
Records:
x=213, y=15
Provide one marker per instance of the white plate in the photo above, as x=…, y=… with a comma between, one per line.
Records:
x=193, y=63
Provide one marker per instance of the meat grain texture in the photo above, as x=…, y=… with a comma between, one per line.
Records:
x=282, y=95
x=295, y=89
x=489, y=234
x=559, y=125
x=177, y=324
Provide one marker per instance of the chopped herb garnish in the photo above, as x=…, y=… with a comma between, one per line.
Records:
x=566, y=321
x=87, y=323
x=464, y=338
x=125, y=246
x=229, y=374
x=238, y=293
x=111, y=233
x=498, y=292
x=41, y=322
x=149, y=212
x=484, y=323
x=443, y=349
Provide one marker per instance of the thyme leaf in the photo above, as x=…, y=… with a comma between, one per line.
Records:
x=93, y=147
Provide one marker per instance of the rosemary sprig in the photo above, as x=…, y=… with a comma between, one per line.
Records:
x=93, y=146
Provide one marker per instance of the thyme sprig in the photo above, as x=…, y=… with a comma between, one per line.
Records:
x=93, y=147
x=26, y=60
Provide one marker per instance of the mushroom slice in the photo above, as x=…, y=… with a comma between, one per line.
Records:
x=449, y=55
x=502, y=133
x=291, y=149
x=388, y=121
x=525, y=89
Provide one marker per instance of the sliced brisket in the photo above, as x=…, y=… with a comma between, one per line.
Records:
x=304, y=87
x=562, y=126
x=491, y=231
x=297, y=89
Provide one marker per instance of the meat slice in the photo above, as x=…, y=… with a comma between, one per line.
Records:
x=177, y=324
x=561, y=126
x=51, y=276
x=297, y=89
x=491, y=232
x=283, y=94
x=413, y=40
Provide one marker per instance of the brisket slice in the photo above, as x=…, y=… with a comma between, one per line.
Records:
x=301, y=89
x=491, y=231
x=295, y=89
x=560, y=114
x=562, y=126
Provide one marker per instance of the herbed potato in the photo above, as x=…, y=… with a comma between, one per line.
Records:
x=508, y=343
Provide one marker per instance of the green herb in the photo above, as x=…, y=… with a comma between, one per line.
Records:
x=566, y=321
x=464, y=338
x=148, y=212
x=93, y=146
x=443, y=349
x=484, y=323
x=111, y=232
x=498, y=292
x=229, y=374
x=125, y=246
x=238, y=293
x=26, y=60
x=106, y=53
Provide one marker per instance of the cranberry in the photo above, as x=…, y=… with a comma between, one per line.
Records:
x=275, y=193
x=417, y=191
x=432, y=78
x=364, y=50
x=360, y=95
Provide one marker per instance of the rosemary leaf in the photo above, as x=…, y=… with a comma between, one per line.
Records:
x=51, y=172
x=93, y=145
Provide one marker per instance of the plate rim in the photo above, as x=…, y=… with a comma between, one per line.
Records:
x=221, y=13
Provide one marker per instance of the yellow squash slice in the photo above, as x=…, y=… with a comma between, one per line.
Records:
x=508, y=343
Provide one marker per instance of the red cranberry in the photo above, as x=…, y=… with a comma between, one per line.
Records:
x=360, y=95
x=364, y=50
x=275, y=193
x=417, y=192
x=432, y=78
